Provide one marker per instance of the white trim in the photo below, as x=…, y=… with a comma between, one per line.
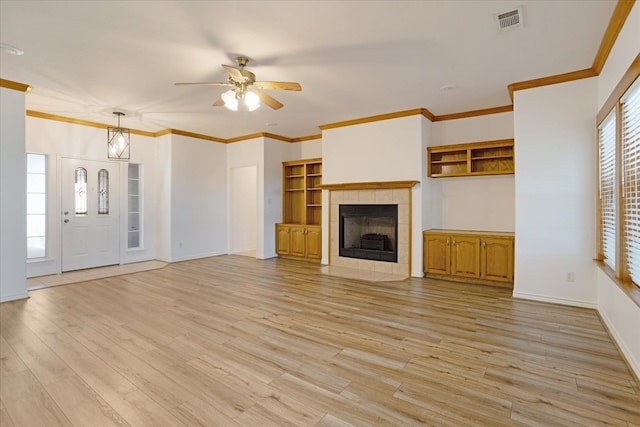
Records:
x=633, y=363
x=22, y=295
x=555, y=300
x=190, y=257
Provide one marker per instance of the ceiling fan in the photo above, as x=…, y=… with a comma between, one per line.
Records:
x=246, y=92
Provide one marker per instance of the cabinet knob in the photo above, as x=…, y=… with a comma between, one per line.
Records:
x=447, y=242
x=454, y=242
x=484, y=244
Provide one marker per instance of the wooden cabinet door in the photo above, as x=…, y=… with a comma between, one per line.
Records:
x=497, y=259
x=282, y=240
x=465, y=256
x=314, y=242
x=297, y=239
x=437, y=254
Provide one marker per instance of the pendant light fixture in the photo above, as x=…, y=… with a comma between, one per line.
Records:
x=118, y=141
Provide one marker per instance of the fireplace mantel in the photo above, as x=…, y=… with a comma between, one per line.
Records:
x=378, y=185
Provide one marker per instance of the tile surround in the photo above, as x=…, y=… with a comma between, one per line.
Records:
x=399, y=196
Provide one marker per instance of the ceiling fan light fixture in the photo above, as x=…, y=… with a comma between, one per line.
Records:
x=251, y=100
x=230, y=100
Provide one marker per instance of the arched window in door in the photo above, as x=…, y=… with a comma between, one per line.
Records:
x=103, y=192
x=81, y=191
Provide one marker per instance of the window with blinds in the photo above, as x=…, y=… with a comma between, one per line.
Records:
x=619, y=187
x=631, y=181
x=607, y=151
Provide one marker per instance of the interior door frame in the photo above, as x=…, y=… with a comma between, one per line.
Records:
x=232, y=198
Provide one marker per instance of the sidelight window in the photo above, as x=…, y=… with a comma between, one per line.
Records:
x=36, y=205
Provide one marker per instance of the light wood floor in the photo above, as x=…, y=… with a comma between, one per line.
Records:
x=234, y=341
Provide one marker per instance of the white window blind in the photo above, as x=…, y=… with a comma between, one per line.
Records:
x=631, y=179
x=607, y=147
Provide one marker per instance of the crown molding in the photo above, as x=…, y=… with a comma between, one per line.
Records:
x=47, y=116
x=259, y=135
x=370, y=119
x=189, y=134
x=618, y=18
x=551, y=80
x=632, y=73
x=9, y=84
x=474, y=113
x=307, y=138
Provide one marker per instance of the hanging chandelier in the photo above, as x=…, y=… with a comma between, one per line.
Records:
x=118, y=141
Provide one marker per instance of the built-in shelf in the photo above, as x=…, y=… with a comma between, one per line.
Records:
x=299, y=234
x=478, y=158
x=302, y=193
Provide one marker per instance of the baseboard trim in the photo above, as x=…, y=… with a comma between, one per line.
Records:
x=188, y=258
x=15, y=297
x=627, y=355
x=554, y=300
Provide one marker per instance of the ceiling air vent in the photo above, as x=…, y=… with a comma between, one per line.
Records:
x=510, y=20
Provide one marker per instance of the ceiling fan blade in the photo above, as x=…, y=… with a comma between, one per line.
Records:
x=205, y=84
x=269, y=100
x=234, y=73
x=219, y=103
x=278, y=85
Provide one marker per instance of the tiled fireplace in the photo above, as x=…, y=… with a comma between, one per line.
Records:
x=380, y=238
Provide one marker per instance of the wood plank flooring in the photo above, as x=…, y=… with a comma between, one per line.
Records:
x=233, y=341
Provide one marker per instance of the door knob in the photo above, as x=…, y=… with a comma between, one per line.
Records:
x=66, y=221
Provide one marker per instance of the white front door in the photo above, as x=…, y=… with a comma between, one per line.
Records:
x=90, y=214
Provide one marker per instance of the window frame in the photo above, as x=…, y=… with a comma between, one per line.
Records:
x=619, y=273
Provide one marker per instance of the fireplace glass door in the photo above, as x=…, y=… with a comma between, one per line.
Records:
x=369, y=232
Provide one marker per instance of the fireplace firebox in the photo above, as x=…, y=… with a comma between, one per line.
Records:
x=369, y=232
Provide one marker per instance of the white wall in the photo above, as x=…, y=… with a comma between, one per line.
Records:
x=387, y=150
x=66, y=140
x=13, y=199
x=621, y=315
x=490, y=198
x=555, y=188
x=198, y=198
x=162, y=208
x=431, y=188
x=307, y=150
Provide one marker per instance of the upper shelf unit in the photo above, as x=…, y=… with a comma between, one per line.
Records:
x=302, y=195
x=477, y=158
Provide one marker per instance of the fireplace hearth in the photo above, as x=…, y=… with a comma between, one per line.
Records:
x=369, y=232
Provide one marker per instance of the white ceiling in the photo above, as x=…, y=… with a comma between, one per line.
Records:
x=354, y=59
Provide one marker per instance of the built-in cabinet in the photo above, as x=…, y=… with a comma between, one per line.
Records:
x=299, y=234
x=478, y=158
x=476, y=256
